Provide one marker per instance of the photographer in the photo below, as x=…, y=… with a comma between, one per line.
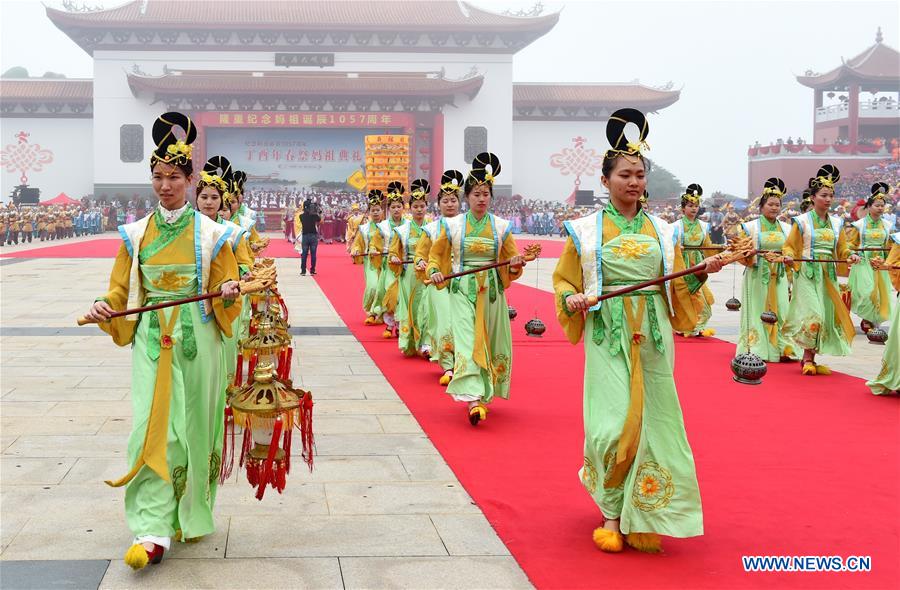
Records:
x=309, y=238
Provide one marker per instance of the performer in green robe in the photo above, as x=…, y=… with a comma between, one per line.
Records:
x=174, y=450
x=367, y=250
x=690, y=231
x=214, y=200
x=480, y=315
x=638, y=466
x=388, y=292
x=409, y=301
x=817, y=320
x=765, y=287
x=436, y=302
x=870, y=289
x=888, y=379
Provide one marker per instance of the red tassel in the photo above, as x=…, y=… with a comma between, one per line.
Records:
x=227, y=447
x=280, y=477
x=239, y=370
x=253, y=472
x=266, y=474
x=284, y=309
x=250, y=368
x=306, y=430
x=246, y=445
x=286, y=446
x=289, y=355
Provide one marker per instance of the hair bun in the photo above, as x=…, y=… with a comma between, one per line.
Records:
x=220, y=166
x=615, y=129
x=880, y=188
x=169, y=148
x=774, y=183
x=452, y=181
x=419, y=189
x=694, y=190
x=484, y=160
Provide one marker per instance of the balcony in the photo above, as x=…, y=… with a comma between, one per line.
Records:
x=818, y=151
x=873, y=109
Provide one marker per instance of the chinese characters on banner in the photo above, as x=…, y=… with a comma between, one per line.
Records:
x=265, y=154
x=359, y=120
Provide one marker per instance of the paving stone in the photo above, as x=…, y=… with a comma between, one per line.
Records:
x=6, y=442
x=51, y=425
x=374, y=444
x=86, y=502
x=433, y=573
x=299, y=497
x=45, y=575
x=347, y=424
x=10, y=525
x=354, y=407
x=107, y=445
x=94, y=408
x=95, y=470
x=233, y=574
x=468, y=534
x=25, y=470
x=397, y=424
x=353, y=469
x=316, y=536
x=427, y=468
x=12, y=408
x=116, y=426
x=86, y=396
x=403, y=498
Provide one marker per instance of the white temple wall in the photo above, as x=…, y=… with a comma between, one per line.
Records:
x=535, y=144
x=115, y=105
x=68, y=140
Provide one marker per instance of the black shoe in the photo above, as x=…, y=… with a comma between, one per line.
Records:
x=312, y=272
x=302, y=273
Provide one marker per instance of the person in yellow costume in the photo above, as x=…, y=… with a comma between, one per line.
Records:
x=353, y=222
x=368, y=250
x=410, y=315
x=690, y=231
x=480, y=315
x=436, y=302
x=888, y=379
x=389, y=286
x=817, y=320
x=638, y=466
x=871, y=297
x=213, y=200
x=175, y=446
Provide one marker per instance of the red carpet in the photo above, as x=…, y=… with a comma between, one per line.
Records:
x=107, y=247
x=796, y=466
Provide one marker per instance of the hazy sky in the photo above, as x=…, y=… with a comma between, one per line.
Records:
x=735, y=62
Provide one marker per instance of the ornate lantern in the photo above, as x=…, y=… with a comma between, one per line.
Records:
x=535, y=327
x=768, y=317
x=267, y=406
x=733, y=304
x=748, y=368
x=512, y=312
x=877, y=336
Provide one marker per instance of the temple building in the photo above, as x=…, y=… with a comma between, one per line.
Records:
x=288, y=90
x=856, y=121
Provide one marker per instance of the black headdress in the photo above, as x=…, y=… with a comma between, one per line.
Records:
x=419, y=190
x=395, y=192
x=452, y=181
x=615, y=134
x=692, y=194
x=480, y=173
x=217, y=173
x=170, y=149
x=376, y=197
x=879, y=191
x=827, y=176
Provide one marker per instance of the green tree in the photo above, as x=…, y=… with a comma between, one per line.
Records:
x=15, y=72
x=662, y=184
x=54, y=75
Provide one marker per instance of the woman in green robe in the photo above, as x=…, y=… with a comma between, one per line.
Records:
x=765, y=287
x=436, y=302
x=817, y=320
x=693, y=232
x=367, y=251
x=481, y=335
x=177, y=380
x=870, y=289
x=213, y=200
x=888, y=379
x=409, y=301
x=638, y=466
x=388, y=291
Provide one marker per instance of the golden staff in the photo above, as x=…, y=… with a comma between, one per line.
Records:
x=532, y=251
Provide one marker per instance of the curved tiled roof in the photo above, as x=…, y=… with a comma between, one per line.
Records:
x=593, y=95
x=46, y=89
x=878, y=63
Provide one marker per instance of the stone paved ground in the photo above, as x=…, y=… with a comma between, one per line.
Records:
x=381, y=509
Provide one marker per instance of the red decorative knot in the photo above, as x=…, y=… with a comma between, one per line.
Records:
x=166, y=341
x=637, y=337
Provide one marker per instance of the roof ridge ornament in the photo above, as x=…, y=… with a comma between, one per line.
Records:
x=879, y=38
x=71, y=6
x=535, y=10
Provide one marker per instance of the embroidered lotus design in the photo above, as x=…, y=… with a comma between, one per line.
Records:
x=631, y=249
